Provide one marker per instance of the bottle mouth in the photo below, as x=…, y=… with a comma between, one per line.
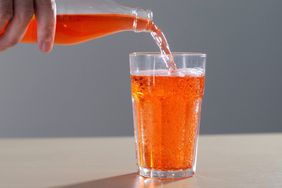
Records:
x=145, y=15
x=141, y=13
x=149, y=14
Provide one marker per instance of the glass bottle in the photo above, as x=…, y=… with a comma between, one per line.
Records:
x=83, y=20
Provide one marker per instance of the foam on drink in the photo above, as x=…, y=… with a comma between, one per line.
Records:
x=193, y=72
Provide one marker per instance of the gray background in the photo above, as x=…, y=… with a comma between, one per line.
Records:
x=85, y=90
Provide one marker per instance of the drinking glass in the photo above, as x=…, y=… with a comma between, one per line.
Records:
x=166, y=112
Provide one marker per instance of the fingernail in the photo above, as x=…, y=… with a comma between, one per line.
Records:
x=45, y=46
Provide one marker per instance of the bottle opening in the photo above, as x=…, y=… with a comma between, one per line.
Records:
x=143, y=20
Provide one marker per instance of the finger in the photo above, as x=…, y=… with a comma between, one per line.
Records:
x=23, y=12
x=45, y=12
x=6, y=13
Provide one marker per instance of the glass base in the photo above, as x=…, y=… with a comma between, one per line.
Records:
x=150, y=173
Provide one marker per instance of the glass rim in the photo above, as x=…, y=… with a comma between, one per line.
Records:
x=158, y=54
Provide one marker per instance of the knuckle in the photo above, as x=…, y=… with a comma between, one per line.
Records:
x=46, y=37
x=4, y=4
x=48, y=6
x=46, y=3
x=6, y=9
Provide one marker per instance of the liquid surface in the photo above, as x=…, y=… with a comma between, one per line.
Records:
x=166, y=116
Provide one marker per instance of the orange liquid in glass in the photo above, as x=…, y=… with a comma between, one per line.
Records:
x=166, y=114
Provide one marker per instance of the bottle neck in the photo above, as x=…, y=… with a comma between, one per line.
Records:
x=143, y=20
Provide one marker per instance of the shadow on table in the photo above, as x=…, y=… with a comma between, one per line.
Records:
x=133, y=181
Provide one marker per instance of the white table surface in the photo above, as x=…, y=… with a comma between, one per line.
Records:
x=223, y=161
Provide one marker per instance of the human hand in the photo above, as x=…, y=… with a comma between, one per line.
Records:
x=15, y=16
